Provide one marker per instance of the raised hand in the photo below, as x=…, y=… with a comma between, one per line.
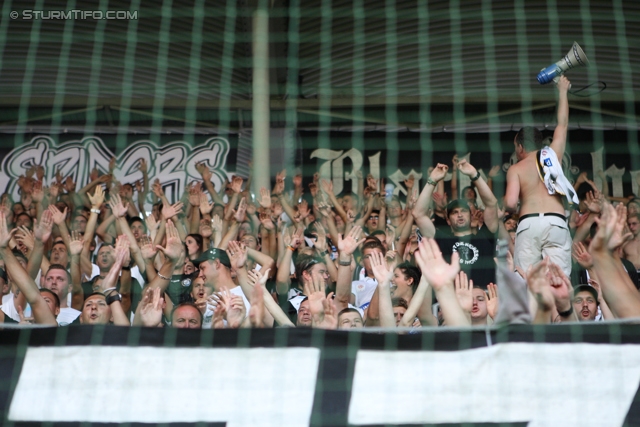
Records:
x=112, y=164
x=152, y=224
x=97, y=198
x=205, y=206
x=539, y=285
x=170, y=211
x=44, y=226
x=372, y=183
x=321, y=238
x=327, y=186
x=24, y=236
x=236, y=184
x=380, y=269
x=69, y=185
x=467, y=168
x=194, y=194
x=37, y=194
x=560, y=287
x=151, y=307
x=582, y=256
x=156, y=187
x=610, y=228
x=54, y=190
x=58, y=217
x=464, y=290
x=351, y=241
x=439, y=172
x=122, y=250
x=173, y=248
x=581, y=219
x=216, y=225
x=313, y=189
x=76, y=244
x=492, y=300
x=494, y=171
x=477, y=218
x=351, y=216
x=142, y=166
x=241, y=211
x=293, y=239
x=594, y=202
x=324, y=209
x=5, y=235
x=265, y=198
x=440, y=200
x=237, y=252
x=119, y=210
x=234, y=307
x=258, y=278
x=256, y=312
x=146, y=247
x=563, y=84
x=436, y=270
x=266, y=221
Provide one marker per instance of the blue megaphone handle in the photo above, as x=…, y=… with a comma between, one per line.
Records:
x=548, y=74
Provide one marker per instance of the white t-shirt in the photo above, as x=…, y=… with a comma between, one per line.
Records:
x=363, y=289
x=67, y=316
x=135, y=274
x=9, y=308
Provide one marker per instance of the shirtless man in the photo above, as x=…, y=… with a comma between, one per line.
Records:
x=631, y=250
x=542, y=229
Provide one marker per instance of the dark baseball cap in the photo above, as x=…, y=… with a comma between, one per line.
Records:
x=457, y=204
x=586, y=288
x=214, y=253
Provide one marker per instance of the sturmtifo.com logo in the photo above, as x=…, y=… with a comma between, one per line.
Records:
x=29, y=14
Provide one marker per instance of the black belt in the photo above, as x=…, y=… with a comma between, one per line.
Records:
x=523, y=217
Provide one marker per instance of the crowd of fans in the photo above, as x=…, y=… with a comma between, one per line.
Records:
x=303, y=256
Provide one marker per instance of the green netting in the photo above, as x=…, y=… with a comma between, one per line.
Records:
x=388, y=88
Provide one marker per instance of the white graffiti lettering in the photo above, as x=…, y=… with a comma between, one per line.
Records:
x=173, y=164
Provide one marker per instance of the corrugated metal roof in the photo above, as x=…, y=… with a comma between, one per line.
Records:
x=452, y=52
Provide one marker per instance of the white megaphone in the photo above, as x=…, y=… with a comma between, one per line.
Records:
x=574, y=58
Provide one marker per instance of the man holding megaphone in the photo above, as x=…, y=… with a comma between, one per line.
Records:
x=539, y=185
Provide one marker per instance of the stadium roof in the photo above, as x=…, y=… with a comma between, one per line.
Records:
x=342, y=65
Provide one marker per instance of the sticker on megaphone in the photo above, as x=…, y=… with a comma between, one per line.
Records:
x=574, y=58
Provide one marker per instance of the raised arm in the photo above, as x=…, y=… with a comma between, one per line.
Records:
x=383, y=275
x=512, y=194
x=346, y=248
x=327, y=187
x=420, y=305
x=488, y=198
x=292, y=242
x=42, y=232
x=206, y=179
x=119, y=211
x=59, y=218
x=41, y=312
x=559, y=142
x=421, y=210
x=441, y=276
x=75, y=249
x=618, y=291
x=172, y=251
x=96, y=203
x=108, y=285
